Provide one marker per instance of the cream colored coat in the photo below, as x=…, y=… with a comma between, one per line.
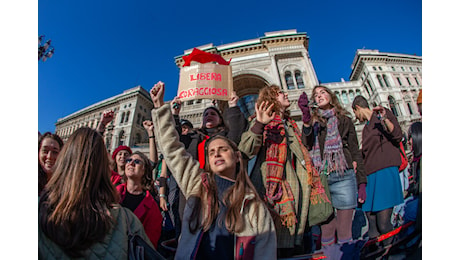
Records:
x=258, y=239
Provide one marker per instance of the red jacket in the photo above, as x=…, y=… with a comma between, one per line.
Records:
x=148, y=213
x=116, y=178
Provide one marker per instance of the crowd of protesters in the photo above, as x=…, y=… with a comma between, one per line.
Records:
x=200, y=200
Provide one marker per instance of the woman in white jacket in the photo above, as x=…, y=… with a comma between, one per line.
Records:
x=224, y=218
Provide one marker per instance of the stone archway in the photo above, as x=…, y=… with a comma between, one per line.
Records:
x=247, y=88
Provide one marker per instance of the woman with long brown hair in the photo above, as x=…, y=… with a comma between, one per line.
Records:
x=78, y=214
x=224, y=218
x=282, y=167
x=331, y=139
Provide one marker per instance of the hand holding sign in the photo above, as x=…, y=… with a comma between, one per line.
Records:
x=157, y=94
x=233, y=102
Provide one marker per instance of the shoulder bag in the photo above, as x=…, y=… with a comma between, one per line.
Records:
x=138, y=249
x=320, y=208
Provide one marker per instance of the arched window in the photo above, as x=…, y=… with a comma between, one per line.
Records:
x=127, y=117
x=299, y=79
x=289, y=80
x=371, y=86
x=344, y=97
x=247, y=104
x=108, y=141
x=358, y=92
x=138, y=138
x=139, y=119
x=122, y=118
x=385, y=79
x=393, y=108
x=410, y=108
x=366, y=86
x=121, y=138
x=380, y=81
x=352, y=95
x=337, y=94
x=408, y=81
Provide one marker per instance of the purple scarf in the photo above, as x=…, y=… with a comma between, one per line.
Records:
x=333, y=156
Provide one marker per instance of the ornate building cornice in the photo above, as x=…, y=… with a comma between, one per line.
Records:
x=272, y=41
x=369, y=56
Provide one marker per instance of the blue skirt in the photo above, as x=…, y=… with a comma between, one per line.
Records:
x=383, y=190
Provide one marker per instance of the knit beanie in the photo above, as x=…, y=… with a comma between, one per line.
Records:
x=119, y=148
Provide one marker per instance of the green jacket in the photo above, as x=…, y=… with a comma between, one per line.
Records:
x=251, y=145
x=114, y=246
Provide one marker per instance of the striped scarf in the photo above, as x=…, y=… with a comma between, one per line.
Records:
x=278, y=191
x=333, y=156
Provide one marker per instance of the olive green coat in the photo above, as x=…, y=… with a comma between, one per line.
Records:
x=251, y=145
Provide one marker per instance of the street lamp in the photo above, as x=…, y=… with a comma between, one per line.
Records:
x=45, y=51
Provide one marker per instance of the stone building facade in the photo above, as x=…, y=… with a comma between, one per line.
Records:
x=131, y=108
x=280, y=58
x=389, y=79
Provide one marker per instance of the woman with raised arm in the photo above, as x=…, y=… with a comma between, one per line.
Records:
x=224, y=217
x=119, y=155
x=330, y=136
x=282, y=168
x=230, y=124
x=78, y=214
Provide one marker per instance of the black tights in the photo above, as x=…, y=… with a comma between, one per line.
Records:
x=380, y=223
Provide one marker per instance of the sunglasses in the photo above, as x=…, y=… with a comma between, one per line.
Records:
x=136, y=161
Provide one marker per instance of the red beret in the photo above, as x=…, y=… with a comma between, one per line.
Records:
x=119, y=148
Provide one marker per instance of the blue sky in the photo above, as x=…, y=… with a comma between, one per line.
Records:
x=105, y=47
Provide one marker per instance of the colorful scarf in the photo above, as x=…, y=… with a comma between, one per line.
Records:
x=333, y=156
x=278, y=191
